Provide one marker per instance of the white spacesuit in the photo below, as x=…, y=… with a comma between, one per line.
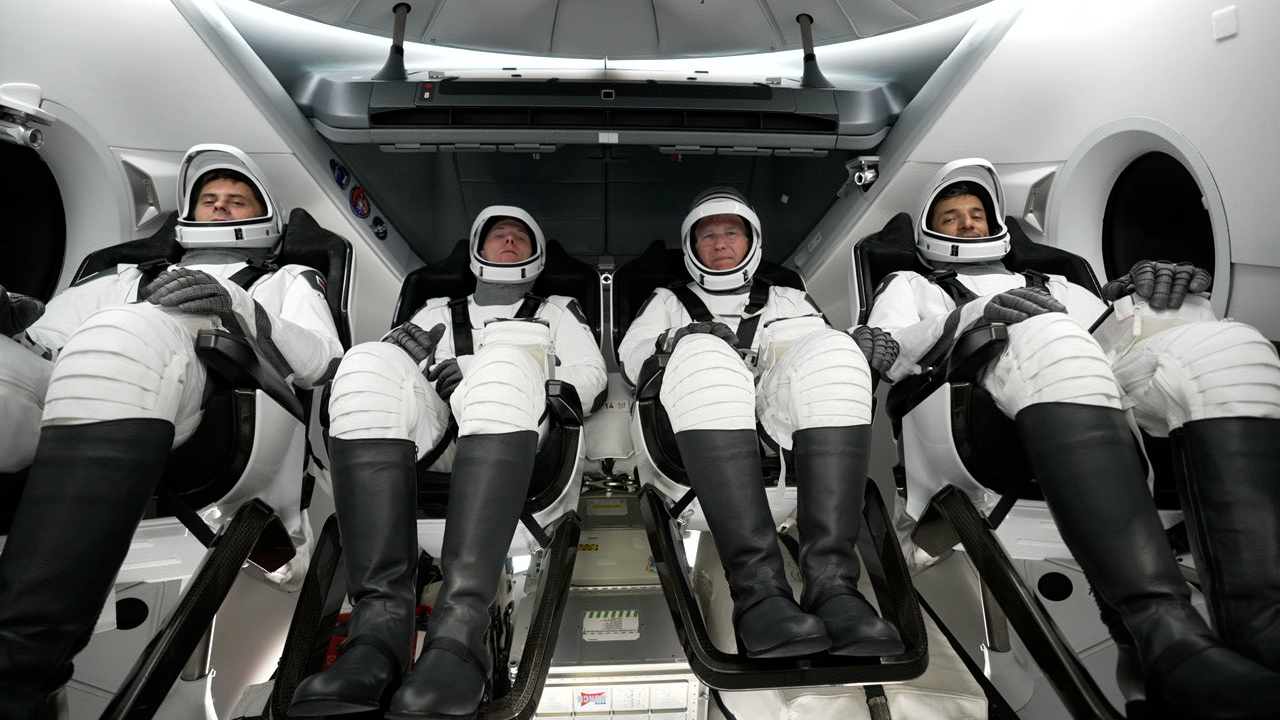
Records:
x=1172, y=365
x=1214, y=385
x=24, y=379
x=125, y=387
x=372, y=396
x=482, y=365
x=812, y=397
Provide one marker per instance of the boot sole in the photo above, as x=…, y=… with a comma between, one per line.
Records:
x=407, y=715
x=870, y=648
x=321, y=707
x=792, y=648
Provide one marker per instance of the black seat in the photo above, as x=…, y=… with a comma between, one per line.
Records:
x=304, y=243
x=562, y=275
x=452, y=277
x=984, y=435
x=204, y=468
x=985, y=446
x=986, y=442
x=660, y=266
x=207, y=466
x=555, y=467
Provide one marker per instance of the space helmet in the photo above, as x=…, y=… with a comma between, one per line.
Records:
x=506, y=273
x=981, y=180
x=721, y=201
x=252, y=233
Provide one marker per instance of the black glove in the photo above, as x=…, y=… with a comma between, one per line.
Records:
x=879, y=347
x=708, y=327
x=1162, y=284
x=1019, y=304
x=446, y=376
x=192, y=291
x=17, y=312
x=420, y=344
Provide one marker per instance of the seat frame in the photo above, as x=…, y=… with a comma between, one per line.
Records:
x=558, y=464
x=658, y=458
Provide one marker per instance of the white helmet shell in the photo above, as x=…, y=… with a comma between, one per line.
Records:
x=721, y=201
x=254, y=233
x=934, y=246
x=506, y=273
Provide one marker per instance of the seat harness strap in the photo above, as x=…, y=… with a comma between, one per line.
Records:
x=698, y=310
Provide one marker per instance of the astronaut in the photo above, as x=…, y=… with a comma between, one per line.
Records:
x=391, y=407
x=126, y=386
x=812, y=397
x=1213, y=385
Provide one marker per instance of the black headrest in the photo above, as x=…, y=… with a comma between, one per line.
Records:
x=451, y=277
x=162, y=244
x=304, y=243
x=893, y=249
x=659, y=266
x=1024, y=254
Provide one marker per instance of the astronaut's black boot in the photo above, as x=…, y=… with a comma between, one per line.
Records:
x=88, y=488
x=1230, y=492
x=1129, y=678
x=831, y=469
x=724, y=470
x=487, y=492
x=1087, y=465
x=375, y=492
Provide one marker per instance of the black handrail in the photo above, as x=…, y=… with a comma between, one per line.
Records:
x=307, y=625
x=1028, y=617
x=521, y=702
x=160, y=664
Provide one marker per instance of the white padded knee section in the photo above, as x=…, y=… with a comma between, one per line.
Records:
x=380, y=394
x=1201, y=371
x=125, y=362
x=707, y=386
x=1050, y=358
x=823, y=381
x=24, y=380
x=503, y=391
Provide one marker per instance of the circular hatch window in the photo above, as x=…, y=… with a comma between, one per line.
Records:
x=1136, y=189
x=33, y=230
x=1156, y=212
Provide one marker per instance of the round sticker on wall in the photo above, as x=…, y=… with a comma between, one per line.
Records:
x=340, y=174
x=360, y=203
x=379, y=228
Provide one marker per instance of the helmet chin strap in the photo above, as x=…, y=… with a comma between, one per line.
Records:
x=490, y=293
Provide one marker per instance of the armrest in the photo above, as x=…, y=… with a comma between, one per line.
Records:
x=562, y=399
x=651, y=373
x=972, y=351
x=907, y=393
x=233, y=358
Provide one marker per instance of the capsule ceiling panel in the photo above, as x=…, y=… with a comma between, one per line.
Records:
x=632, y=29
